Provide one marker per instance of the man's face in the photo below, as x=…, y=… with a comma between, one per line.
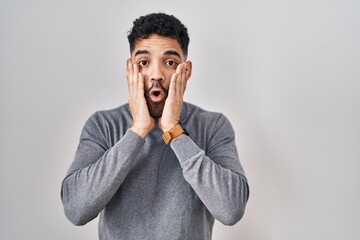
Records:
x=158, y=57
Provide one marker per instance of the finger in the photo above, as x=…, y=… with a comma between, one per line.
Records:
x=184, y=80
x=179, y=68
x=140, y=84
x=178, y=80
x=134, y=77
x=135, y=72
x=128, y=72
x=172, y=87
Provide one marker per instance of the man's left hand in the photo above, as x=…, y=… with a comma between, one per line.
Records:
x=174, y=102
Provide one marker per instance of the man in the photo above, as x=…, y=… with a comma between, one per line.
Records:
x=157, y=167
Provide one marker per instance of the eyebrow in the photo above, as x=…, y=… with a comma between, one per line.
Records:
x=142, y=52
x=172, y=52
x=169, y=52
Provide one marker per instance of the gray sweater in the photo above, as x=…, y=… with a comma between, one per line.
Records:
x=145, y=189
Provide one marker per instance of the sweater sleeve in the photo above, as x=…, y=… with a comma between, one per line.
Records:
x=97, y=172
x=217, y=177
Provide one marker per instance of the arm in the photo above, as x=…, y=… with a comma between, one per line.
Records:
x=217, y=177
x=96, y=172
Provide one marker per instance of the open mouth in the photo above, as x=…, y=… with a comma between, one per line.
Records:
x=157, y=95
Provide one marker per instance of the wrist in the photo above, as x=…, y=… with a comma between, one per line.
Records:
x=168, y=127
x=174, y=133
x=142, y=132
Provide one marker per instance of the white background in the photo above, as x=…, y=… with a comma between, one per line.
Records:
x=286, y=74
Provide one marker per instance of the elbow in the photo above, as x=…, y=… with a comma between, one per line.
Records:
x=75, y=214
x=76, y=219
x=235, y=210
x=233, y=217
x=75, y=211
x=78, y=214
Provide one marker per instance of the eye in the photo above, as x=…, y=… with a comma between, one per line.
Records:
x=143, y=63
x=171, y=63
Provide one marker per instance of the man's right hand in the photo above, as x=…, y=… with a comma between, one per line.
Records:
x=142, y=123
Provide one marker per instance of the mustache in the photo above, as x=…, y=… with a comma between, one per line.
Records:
x=156, y=85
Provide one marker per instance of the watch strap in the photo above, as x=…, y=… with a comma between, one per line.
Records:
x=173, y=133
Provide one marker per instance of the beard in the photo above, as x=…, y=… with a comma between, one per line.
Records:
x=156, y=108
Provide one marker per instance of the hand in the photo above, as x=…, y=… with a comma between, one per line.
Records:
x=174, y=102
x=142, y=123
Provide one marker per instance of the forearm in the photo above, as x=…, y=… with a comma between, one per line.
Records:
x=223, y=191
x=86, y=191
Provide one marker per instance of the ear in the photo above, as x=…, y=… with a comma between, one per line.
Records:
x=188, y=70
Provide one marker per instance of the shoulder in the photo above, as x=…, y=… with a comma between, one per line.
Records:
x=121, y=113
x=207, y=128
x=110, y=120
x=198, y=114
x=202, y=120
x=117, y=112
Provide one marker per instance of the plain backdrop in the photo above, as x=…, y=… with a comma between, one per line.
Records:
x=286, y=74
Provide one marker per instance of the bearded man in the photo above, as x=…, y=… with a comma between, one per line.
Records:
x=156, y=167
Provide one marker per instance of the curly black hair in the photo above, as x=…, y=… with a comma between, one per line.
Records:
x=161, y=24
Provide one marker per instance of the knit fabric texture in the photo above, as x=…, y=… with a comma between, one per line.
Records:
x=146, y=189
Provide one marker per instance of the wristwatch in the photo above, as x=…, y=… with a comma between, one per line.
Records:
x=174, y=133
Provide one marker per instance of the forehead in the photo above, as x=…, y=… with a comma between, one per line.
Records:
x=156, y=44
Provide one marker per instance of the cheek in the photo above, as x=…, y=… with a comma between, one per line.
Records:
x=170, y=71
x=168, y=75
x=147, y=82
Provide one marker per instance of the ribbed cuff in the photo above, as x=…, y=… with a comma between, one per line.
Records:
x=184, y=147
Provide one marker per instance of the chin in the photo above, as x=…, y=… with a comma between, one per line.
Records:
x=156, y=109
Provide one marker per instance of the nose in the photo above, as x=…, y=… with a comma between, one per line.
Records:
x=156, y=72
